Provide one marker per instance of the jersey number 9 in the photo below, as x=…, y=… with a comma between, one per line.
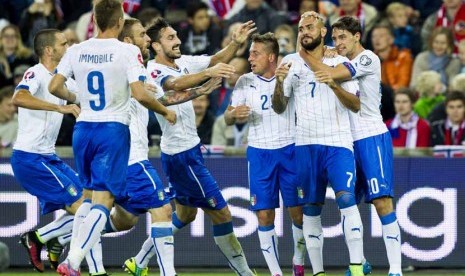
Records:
x=99, y=90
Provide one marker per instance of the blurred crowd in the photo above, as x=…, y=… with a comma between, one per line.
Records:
x=421, y=45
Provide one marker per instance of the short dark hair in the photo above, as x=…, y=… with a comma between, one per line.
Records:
x=155, y=29
x=407, y=92
x=194, y=7
x=147, y=15
x=269, y=40
x=384, y=26
x=107, y=14
x=6, y=92
x=127, y=28
x=455, y=96
x=44, y=38
x=348, y=23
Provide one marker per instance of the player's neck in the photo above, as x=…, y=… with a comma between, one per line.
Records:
x=318, y=52
x=49, y=64
x=165, y=61
x=111, y=33
x=358, y=49
x=269, y=74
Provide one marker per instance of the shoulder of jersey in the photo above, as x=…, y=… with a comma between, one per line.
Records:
x=33, y=72
x=289, y=57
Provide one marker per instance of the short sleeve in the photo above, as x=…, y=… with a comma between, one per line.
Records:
x=30, y=81
x=195, y=64
x=64, y=68
x=157, y=73
x=135, y=70
x=238, y=96
x=363, y=65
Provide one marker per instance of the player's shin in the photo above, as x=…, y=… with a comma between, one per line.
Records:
x=269, y=246
x=392, y=241
x=352, y=227
x=61, y=226
x=94, y=259
x=313, y=234
x=162, y=236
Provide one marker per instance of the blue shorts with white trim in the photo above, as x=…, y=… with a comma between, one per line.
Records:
x=48, y=178
x=193, y=184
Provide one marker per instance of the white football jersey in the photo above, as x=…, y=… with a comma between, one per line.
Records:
x=139, y=136
x=182, y=135
x=267, y=129
x=321, y=117
x=38, y=129
x=368, y=121
x=103, y=69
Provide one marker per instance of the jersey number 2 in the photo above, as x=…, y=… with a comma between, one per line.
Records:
x=96, y=90
x=264, y=98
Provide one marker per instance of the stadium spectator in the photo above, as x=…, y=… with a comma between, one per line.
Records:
x=204, y=119
x=266, y=18
x=439, y=111
x=8, y=117
x=430, y=89
x=407, y=129
x=148, y=16
x=451, y=15
x=438, y=57
x=461, y=55
x=201, y=36
x=396, y=64
x=451, y=131
x=286, y=37
x=5, y=72
x=234, y=135
x=227, y=39
x=405, y=36
x=12, y=9
x=71, y=36
x=12, y=48
x=366, y=13
x=220, y=99
x=225, y=9
x=19, y=73
x=38, y=16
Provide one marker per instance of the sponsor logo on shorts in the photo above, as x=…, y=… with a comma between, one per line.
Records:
x=253, y=200
x=212, y=202
x=72, y=190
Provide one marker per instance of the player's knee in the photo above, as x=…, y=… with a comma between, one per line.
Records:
x=219, y=216
x=186, y=217
x=383, y=205
x=265, y=217
x=345, y=200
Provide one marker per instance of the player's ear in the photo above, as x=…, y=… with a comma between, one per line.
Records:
x=155, y=46
x=127, y=39
x=323, y=31
x=357, y=36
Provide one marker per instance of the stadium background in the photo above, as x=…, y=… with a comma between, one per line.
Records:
x=429, y=193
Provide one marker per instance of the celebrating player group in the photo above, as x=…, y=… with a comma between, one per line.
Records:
x=314, y=121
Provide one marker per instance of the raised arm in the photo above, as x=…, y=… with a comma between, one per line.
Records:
x=148, y=100
x=180, y=83
x=24, y=98
x=348, y=99
x=173, y=97
x=239, y=37
x=339, y=73
x=279, y=101
x=58, y=88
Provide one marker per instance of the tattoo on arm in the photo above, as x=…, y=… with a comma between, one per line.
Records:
x=176, y=97
x=279, y=100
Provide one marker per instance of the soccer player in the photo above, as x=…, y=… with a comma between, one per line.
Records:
x=270, y=151
x=107, y=71
x=373, y=145
x=40, y=115
x=180, y=145
x=144, y=187
x=323, y=141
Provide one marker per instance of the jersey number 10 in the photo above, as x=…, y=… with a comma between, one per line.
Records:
x=96, y=90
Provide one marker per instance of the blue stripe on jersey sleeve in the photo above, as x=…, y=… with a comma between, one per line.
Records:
x=165, y=78
x=351, y=68
x=22, y=86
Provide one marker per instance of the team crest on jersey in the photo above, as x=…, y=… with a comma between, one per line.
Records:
x=72, y=190
x=365, y=60
x=300, y=192
x=29, y=75
x=139, y=57
x=253, y=200
x=161, y=196
x=212, y=202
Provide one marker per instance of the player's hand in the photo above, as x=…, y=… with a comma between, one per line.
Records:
x=330, y=52
x=241, y=112
x=170, y=117
x=208, y=87
x=282, y=71
x=69, y=109
x=150, y=88
x=243, y=32
x=325, y=77
x=221, y=70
